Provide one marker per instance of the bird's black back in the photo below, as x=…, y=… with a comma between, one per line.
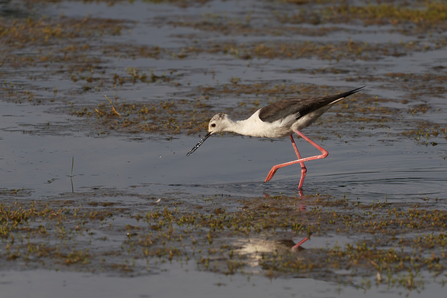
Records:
x=289, y=106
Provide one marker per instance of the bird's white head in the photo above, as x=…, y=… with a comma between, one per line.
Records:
x=218, y=123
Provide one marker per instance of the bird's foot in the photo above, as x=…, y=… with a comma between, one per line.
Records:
x=271, y=173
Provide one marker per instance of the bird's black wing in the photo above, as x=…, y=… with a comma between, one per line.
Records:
x=285, y=107
x=281, y=109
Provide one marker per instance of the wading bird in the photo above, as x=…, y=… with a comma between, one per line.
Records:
x=279, y=119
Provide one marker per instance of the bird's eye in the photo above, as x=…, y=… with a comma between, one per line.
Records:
x=213, y=125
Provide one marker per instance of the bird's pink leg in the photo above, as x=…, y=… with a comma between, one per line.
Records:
x=323, y=154
x=303, y=167
x=299, y=244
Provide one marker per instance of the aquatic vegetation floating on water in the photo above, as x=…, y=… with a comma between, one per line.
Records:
x=394, y=239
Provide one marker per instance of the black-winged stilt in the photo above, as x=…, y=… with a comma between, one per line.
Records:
x=279, y=119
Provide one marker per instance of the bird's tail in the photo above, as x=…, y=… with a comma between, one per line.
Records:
x=341, y=96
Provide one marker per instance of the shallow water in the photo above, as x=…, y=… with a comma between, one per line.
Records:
x=72, y=284
x=368, y=161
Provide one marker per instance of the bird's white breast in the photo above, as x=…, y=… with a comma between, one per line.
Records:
x=255, y=127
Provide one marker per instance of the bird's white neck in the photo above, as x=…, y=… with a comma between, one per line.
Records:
x=242, y=127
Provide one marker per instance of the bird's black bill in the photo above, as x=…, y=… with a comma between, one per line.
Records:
x=198, y=144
